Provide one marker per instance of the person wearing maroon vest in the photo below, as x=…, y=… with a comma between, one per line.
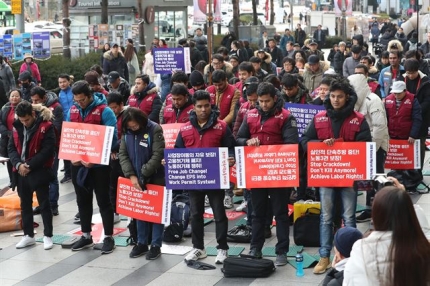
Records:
x=145, y=97
x=205, y=130
x=178, y=77
x=179, y=110
x=223, y=95
x=31, y=152
x=339, y=122
x=50, y=100
x=403, y=113
x=115, y=101
x=269, y=124
x=91, y=108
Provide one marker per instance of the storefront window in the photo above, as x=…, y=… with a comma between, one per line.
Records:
x=170, y=25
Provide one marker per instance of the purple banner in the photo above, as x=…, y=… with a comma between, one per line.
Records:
x=167, y=60
x=41, y=45
x=303, y=113
x=197, y=168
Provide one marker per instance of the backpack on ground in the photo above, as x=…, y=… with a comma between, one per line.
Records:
x=247, y=267
x=239, y=233
x=173, y=232
x=179, y=219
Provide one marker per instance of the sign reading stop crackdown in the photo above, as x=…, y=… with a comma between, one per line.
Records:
x=341, y=164
x=87, y=142
x=403, y=156
x=267, y=166
x=152, y=204
x=170, y=132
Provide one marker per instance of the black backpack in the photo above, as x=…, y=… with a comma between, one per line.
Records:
x=132, y=228
x=247, y=267
x=173, y=233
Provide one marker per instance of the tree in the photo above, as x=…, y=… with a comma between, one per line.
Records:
x=272, y=12
x=66, y=30
x=254, y=13
x=141, y=27
x=235, y=18
x=104, y=4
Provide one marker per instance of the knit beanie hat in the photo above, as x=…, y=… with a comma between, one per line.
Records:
x=196, y=78
x=345, y=238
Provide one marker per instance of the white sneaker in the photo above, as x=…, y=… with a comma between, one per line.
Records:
x=47, y=242
x=228, y=202
x=25, y=241
x=221, y=256
x=196, y=254
x=242, y=206
x=116, y=218
x=207, y=201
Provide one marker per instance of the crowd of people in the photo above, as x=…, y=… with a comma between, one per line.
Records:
x=236, y=99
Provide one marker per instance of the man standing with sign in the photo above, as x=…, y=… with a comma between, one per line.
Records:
x=179, y=110
x=205, y=130
x=140, y=155
x=269, y=124
x=91, y=108
x=338, y=123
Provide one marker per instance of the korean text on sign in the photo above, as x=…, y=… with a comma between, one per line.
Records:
x=403, y=156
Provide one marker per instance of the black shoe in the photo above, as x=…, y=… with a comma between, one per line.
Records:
x=254, y=253
x=153, y=253
x=36, y=210
x=108, y=245
x=267, y=232
x=365, y=215
x=77, y=216
x=82, y=243
x=55, y=211
x=66, y=179
x=138, y=250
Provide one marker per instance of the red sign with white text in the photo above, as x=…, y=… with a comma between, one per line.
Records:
x=170, y=132
x=152, y=205
x=267, y=166
x=403, y=156
x=233, y=174
x=87, y=142
x=341, y=164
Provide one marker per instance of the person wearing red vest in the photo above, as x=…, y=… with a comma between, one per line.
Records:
x=403, y=113
x=50, y=100
x=179, y=110
x=178, y=77
x=293, y=91
x=145, y=97
x=223, y=95
x=339, y=122
x=269, y=124
x=31, y=152
x=115, y=101
x=91, y=108
x=205, y=130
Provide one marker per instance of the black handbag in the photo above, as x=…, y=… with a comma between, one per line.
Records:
x=307, y=228
x=239, y=233
x=247, y=267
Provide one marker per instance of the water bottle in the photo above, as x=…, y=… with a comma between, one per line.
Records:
x=299, y=264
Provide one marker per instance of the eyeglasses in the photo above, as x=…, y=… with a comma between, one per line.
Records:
x=216, y=63
x=81, y=100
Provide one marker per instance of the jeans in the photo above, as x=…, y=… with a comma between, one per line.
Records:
x=197, y=209
x=279, y=198
x=99, y=178
x=25, y=192
x=115, y=172
x=54, y=189
x=144, y=229
x=348, y=198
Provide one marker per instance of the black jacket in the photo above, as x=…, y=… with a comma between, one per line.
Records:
x=26, y=92
x=277, y=56
x=333, y=278
x=195, y=56
x=338, y=60
x=300, y=37
x=203, y=50
x=4, y=132
x=57, y=111
x=118, y=64
x=424, y=100
x=123, y=89
x=3, y=96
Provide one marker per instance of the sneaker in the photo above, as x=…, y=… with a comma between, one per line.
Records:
x=196, y=254
x=228, y=202
x=82, y=243
x=116, y=218
x=55, y=211
x=322, y=265
x=138, y=250
x=364, y=216
x=243, y=206
x=153, y=253
x=255, y=253
x=47, y=242
x=267, y=232
x=207, y=204
x=66, y=179
x=77, y=216
x=36, y=211
x=25, y=241
x=281, y=259
x=221, y=256
x=108, y=245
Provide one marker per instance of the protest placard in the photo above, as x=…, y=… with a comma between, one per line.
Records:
x=267, y=166
x=233, y=174
x=170, y=132
x=197, y=168
x=167, y=60
x=87, y=142
x=303, y=113
x=341, y=164
x=403, y=156
x=152, y=205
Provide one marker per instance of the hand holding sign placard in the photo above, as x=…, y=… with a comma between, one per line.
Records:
x=341, y=164
x=86, y=142
x=403, y=156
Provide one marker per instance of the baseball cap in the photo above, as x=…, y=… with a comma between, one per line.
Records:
x=313, y=43
x=252, y=80
x=25, y=75
x=113, y=76
x=398, y=87
x=313, y=59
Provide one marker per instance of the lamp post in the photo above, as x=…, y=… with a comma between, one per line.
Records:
x=209, y=36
